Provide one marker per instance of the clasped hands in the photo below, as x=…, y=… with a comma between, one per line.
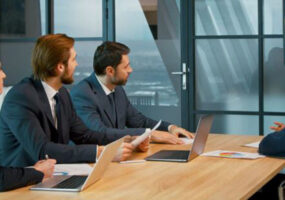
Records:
x=171, y=137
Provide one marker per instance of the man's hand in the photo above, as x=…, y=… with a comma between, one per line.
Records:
x=124, y=152
x=46, y=167
x=165, y=137
x=144, y=146
x=280, y=126
x=175, y=130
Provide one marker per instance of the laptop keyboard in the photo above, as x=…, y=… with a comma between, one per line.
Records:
x=170, y=155
x=72, y=182
x=175, y=154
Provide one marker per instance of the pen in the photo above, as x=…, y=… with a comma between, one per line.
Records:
x=60, y=173
x=132, y=161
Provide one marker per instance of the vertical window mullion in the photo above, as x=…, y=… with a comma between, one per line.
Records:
x=261, y=66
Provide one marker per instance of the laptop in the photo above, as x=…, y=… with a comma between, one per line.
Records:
x=199, y=143
x=76, y=183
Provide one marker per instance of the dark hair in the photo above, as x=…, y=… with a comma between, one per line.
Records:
x=108, y=54
x=49, y=51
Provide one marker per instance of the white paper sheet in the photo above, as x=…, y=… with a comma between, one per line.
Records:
x=187, y=140
x=233, y=154
x=132, y=161
x=254, y=144
x=72, y=169
x=145, y=135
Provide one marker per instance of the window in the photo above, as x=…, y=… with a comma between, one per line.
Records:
x=238, y=63
x=153, y=35
x=22, y=22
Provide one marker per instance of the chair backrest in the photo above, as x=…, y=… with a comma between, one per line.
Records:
x=281, y=191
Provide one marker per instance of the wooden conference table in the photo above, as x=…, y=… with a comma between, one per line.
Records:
x=202, y=178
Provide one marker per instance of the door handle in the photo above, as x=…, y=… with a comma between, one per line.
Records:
x=184, y=76
x=177, y=73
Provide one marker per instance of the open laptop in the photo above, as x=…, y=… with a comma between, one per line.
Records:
x=203, y=129
x=78, y=183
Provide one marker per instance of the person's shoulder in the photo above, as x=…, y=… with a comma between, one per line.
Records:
x=24, y=87
x=84, y=89
x=25, y=82
x=23, y=93
x=83, y=85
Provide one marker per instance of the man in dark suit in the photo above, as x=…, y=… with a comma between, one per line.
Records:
x=274, y=143
x=11, y=178
x=37, y=117
x=15, y=177
x=102, y=104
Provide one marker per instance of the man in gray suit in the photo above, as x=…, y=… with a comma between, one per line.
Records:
x=102, y=104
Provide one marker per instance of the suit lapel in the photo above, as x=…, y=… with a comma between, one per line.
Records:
x=102, y=97
x=44, y=100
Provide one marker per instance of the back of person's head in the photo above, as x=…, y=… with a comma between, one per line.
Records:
x=108, y=54
x=49, y=51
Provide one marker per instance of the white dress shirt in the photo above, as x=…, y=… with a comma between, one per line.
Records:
x=104, y=87
x=50, y=92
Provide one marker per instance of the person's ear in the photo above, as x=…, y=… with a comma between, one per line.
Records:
x=110, y=71
x=59, y=68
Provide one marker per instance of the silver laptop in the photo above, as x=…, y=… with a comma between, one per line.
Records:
x=78, y=183
x=199, y=143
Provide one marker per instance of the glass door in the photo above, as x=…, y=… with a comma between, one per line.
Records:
x=151, y=28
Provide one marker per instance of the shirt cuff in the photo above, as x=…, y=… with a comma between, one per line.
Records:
x=169, y=127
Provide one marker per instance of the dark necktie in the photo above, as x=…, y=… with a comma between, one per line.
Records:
x=113, y=107
x=58, y=117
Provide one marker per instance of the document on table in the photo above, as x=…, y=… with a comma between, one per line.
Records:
x=233, y=154
x=254, y=144
x=187, y=140
x=72, y=169
x=146, y=134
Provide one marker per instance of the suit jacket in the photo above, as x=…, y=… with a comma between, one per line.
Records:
x=26, y=126
x=93, y=107
x=273, y=144
x=12, y=178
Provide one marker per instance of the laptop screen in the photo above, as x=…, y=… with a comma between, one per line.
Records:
x=202, y=132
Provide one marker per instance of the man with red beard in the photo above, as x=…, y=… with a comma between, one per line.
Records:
x=37, y=118
x=103, y=106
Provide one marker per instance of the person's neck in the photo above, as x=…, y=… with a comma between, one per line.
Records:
x=54, y=82
x=107, y=82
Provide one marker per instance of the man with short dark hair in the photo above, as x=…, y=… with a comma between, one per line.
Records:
x=102, y=103
x=37, y=117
